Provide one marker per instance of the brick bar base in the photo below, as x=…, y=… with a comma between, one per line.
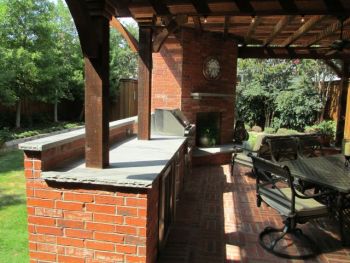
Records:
x=70, y=223
x=212, y=159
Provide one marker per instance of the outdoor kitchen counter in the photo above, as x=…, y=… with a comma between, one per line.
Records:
x=133, y=163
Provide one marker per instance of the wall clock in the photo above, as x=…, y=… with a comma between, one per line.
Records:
x=211, y=68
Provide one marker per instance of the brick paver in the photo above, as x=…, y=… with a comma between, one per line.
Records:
x=217, y=220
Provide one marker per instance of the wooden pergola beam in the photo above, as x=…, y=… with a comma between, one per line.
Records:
x=334, y=5
x=132, y=42
x=288, y=53
x=245, y=6
x=160, y=7
x=289, y=6
x=303, y=30
x=252, y=27
x=328, y=31
x=84, y=25
x=201, y=6
x=278, y=28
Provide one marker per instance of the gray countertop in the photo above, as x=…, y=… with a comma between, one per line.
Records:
x=133, y=163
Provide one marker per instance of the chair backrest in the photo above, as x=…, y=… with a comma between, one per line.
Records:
x=267, y=170
x=269, y=175
x=283, y=149
x=310, y=146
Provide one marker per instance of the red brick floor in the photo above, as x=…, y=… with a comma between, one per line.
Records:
x=217, y=220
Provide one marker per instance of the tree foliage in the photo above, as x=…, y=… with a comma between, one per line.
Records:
x=41, y=58
x=282, y=93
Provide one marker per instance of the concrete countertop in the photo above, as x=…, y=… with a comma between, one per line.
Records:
x=133, y=163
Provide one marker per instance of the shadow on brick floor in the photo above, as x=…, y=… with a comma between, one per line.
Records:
x=218, y=221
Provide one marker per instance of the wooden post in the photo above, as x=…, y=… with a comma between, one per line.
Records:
x=343, y=95
x=96, y=98
x=144, y=83
x=347, y=115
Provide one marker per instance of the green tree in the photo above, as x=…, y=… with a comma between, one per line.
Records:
x=123, y=62
x=24, y=31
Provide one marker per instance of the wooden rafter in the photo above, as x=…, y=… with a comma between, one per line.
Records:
x=197, y=24
x=278, y=29
x=132, y=42
x=226, y=25
x=160, y=7
x=334, y=5
x=245, y=6
x=303, y=30
x=252, y=27
x=171, y=27
x=288, y=53
x=289, y=6
x=330, y=30
x=201, y=6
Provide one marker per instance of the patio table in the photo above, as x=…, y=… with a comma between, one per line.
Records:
x=329, y=172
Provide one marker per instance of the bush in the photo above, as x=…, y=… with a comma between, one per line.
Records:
x=247, y=127
x=284, y=131
x=325, y=128
x=269, y=130
x=5, y=135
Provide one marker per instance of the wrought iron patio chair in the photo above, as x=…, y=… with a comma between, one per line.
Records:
x=283, y=148
x=310, y=146
x=275, y=187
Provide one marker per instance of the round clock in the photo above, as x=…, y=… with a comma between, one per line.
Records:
x=211, y=68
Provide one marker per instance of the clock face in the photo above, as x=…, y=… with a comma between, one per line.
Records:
x=211, y=68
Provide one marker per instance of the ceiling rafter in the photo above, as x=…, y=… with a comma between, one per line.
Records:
x=303, y=30
x=330, y=30
x=278, y=28
x=201, y=6
x=288, y=53
x=252, y=27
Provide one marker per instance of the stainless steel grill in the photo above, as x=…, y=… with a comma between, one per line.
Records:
x=172, y=122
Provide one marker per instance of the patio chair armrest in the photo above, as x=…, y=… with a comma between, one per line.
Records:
x=308, y=196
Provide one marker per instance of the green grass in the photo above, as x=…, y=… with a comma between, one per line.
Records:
x=13, y=214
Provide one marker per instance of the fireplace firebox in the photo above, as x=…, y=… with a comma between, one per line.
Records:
x=208, y=129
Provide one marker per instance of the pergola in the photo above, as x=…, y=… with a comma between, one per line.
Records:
x=262, y=29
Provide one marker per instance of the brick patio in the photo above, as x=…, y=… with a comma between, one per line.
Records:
x=218, y=221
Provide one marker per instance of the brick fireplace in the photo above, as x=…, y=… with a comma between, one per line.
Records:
x=178, y=80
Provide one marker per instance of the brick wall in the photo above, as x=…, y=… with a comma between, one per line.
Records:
x=167, y=76
x=73, y=150
x=177, y=72
x=196, y=48
x=77, y=223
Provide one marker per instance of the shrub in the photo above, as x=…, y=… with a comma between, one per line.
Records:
x=269, y=130
x=247, y=127
x=284, y=131
x=5, y=135
x=326, y=128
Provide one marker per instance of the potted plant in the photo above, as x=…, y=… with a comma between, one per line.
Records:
x=208, y=137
